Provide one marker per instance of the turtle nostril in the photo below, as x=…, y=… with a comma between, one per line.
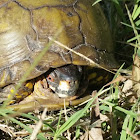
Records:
x=76, y=82
x=72, y=82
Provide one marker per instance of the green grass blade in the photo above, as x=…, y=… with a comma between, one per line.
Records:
x=120, y=108
x=136, y=12
x=125, y=124
x=73, y=119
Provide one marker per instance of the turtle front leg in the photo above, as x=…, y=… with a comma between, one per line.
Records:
x=9, y=94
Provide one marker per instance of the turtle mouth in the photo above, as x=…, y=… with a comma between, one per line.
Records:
x=65, y=94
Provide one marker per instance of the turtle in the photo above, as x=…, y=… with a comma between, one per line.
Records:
x=26, y=28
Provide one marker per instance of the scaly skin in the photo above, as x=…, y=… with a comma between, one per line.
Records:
x=44, y=98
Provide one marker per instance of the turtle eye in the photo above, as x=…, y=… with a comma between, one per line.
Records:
x=50, y=78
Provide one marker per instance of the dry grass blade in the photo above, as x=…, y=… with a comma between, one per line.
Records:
x=38, y=126
x=95, y=132
x=136, y=75
x=132, y=135
x=92, y=63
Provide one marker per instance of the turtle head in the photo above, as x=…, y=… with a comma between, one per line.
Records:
x=64, y=81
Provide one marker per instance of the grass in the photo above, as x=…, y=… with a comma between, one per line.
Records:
x=120, y=108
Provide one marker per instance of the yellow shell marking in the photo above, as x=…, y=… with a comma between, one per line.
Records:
x=100, y=78
x=19, y=97
x=92, y=76
x=29, y=85
x=25, y=93
x=12, y=90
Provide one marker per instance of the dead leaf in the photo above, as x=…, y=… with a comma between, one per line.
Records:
x=136, y=75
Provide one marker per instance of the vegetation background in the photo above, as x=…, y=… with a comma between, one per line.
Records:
x=120, y=109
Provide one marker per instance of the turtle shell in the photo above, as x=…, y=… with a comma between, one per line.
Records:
x=25, y=28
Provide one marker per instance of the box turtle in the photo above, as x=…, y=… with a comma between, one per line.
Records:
x=25, y=29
